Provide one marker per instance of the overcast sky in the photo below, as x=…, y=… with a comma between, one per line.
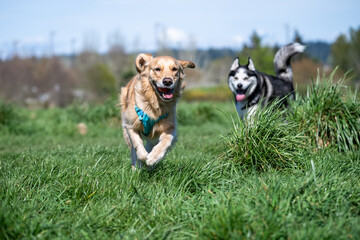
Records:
x=32, y=26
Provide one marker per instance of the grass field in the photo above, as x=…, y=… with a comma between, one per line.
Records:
x=222, y=180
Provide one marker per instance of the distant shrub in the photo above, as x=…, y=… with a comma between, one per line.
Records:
x=7, y=113
x=126, y=76
x=102, y=80
x=13, y=120
x=218, y=93
x=266, y=141
x=94, y=113
x=329, y=115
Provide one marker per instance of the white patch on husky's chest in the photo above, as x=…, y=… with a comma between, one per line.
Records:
x=243, y=111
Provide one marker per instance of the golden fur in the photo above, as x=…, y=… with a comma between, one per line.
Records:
x=146, y=91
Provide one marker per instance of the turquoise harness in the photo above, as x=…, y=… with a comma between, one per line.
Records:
x=147, y=121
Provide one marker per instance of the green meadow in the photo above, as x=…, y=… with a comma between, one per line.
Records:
x=288, y=174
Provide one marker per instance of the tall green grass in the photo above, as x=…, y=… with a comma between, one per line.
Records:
x=267, y=140
x=329, y=114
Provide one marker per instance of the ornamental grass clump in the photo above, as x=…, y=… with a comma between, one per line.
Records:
x=329, y=115
x=266, y=141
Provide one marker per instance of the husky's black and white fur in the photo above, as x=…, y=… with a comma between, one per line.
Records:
x=252, y=88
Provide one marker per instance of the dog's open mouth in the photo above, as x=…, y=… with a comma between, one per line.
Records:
x=165, y=93
x=240, y=95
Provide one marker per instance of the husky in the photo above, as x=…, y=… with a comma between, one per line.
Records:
x=253, y=89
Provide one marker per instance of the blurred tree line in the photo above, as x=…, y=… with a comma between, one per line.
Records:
x=91, y=76
x=346, y=54
x=61, y=80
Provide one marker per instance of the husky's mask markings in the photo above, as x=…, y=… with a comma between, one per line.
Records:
x=252, y=88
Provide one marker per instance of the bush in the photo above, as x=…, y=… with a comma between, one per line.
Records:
x=329, y=115
x=94, y=114
x=102, y=80
x=14, y=119
x=218, y=93
x=7, y=113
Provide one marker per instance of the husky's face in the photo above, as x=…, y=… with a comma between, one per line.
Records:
x=242, y=80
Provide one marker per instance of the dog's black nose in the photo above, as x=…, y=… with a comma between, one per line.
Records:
x=167, y=82
x=239, y=86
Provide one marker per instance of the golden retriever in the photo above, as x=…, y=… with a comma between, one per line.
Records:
x=148, y=107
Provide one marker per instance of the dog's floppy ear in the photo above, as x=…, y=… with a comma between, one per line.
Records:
x=186, y=64
x=142, y=60
x=250, y=65
x=235, y=64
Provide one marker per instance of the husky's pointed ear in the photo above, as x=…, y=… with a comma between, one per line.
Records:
x=235, y=64
x=250, y=65
x=142, y=60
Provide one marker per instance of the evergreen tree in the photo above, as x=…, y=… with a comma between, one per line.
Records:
x=262, y=56
x=297, y=37
x=346, y=53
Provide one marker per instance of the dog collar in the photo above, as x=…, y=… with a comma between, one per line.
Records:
x=147, y=122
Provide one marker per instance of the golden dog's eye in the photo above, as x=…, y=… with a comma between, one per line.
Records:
x=174, y=69
x=157, y=69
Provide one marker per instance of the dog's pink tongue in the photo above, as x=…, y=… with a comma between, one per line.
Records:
x=168, y=95
x=240, y=97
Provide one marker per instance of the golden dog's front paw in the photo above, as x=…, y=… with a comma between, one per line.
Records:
x=141, y=154
x=150, y=161
x=154, y=157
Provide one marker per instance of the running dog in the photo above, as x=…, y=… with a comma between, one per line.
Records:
x=252, y=88
x=148, y=107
